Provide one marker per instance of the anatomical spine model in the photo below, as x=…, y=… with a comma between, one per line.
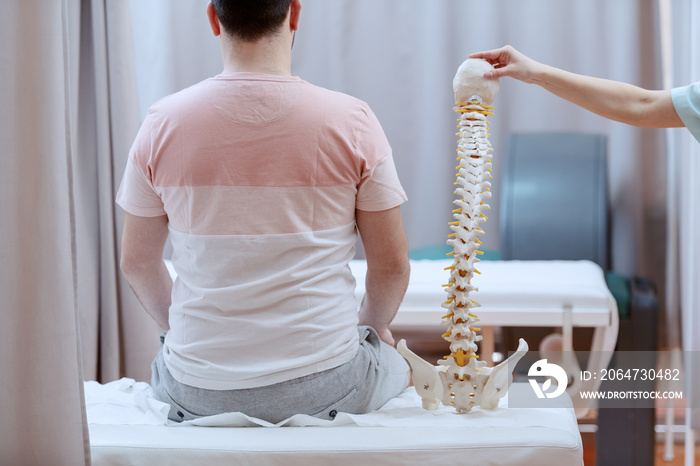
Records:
x=461, y=380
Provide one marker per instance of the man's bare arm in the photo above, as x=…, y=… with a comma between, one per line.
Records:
x=610, y=99
x=388, y=268
x=142, y=264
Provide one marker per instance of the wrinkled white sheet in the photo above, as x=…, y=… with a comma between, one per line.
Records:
x=124, y=402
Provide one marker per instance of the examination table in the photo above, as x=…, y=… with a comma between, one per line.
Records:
x=400, y=433
x=547, y=293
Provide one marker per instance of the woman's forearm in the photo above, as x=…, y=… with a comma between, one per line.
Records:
x=610, y=99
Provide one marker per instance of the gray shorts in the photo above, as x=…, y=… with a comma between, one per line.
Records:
x=377, y=374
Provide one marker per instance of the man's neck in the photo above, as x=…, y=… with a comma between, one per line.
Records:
x=268, y=55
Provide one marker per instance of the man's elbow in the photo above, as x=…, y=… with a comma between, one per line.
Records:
x=404, y=271
x=127, y=266
x=403, y=266
x=133, y=267
x=397, y=266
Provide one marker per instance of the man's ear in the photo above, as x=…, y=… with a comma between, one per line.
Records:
x=294, y=13
x=213, y=19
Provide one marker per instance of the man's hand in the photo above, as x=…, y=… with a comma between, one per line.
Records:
x=509, y=62
x=386, y=336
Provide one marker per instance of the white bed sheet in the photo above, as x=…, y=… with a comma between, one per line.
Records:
x=401, y=432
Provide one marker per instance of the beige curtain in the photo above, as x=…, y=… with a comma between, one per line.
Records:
x=43, y=419
x=68, y=114
x=119, y=339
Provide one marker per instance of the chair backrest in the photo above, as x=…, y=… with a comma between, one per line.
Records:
x=554, y=198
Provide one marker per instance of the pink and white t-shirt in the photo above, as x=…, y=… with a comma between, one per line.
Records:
x=260, y=176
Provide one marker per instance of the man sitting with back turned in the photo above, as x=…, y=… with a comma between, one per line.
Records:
x=262, y=181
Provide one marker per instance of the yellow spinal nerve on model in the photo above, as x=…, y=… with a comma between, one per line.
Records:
x=460, y=379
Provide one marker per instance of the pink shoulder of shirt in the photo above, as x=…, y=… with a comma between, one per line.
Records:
x=259, y=131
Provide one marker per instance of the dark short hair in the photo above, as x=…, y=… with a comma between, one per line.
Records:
x=250, y=20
